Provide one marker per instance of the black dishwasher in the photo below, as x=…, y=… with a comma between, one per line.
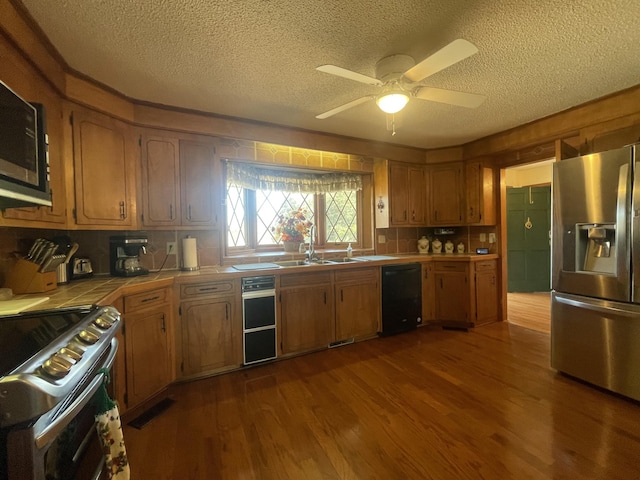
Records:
x=401, y=298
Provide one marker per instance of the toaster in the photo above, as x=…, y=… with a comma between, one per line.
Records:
x=81, y=267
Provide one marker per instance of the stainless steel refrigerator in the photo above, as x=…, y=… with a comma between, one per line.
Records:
x=595, y=302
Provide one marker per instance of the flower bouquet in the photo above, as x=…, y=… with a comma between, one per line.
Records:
x=292, y=227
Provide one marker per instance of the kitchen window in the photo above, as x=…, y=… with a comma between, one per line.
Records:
x=252, y=213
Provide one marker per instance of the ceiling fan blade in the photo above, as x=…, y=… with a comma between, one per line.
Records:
x=344, y=107
x=461, y=99
x=445, y=57
x=344, y=73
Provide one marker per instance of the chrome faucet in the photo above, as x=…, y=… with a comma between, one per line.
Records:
x=312, y=251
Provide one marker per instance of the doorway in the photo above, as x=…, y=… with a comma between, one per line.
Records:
x=528, y=245
x=529, y=239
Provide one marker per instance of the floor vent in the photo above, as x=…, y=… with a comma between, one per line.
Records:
x=339, y=343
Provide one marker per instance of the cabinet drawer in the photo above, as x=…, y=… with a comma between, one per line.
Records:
x=191, y=290
x=485, y=265
x=450, y=267
x=145, y=300
x=359, y=275
x=300, y=279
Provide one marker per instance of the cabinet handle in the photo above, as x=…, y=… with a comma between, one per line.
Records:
x=413, y=214
x=493, y=280
x=123, y=213
x=441, y=286
x=164, y=325
x=150, y=299
x=171, y=211
x=436, y=214
x=226, y=311
x=189, y=213
x=325, y=298
x=426, y=273
x=405, y=215
x=341, y=295
x=471, y=211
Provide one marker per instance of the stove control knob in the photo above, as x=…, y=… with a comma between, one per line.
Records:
x=71, y=354
x=57, y=366
x=103, y=322
x=88, y=336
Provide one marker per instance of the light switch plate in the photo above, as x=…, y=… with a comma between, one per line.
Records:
x=483, y=237
x=492, y=238
x=382, y=239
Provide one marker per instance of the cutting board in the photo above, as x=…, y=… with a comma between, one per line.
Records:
x=7, y=307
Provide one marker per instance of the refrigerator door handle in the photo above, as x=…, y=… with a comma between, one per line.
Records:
x=623, y=204
x=601, y=306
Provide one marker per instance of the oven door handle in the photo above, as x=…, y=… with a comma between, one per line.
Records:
x=52, y=430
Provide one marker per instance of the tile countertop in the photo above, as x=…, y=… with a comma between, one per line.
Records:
x=104, y=289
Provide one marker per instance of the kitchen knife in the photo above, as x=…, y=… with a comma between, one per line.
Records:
x=34, y=247
x=52, y=263
x=42, y=244
x=49, y=250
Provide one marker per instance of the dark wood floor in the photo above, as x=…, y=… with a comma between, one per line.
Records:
x=430, y=404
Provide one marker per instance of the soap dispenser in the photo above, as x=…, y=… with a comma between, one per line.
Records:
x=349, y=251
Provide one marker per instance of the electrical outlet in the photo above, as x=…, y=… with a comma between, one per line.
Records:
x=483, y=237
x=171, y=248
x=492, y=238
x=382, y=239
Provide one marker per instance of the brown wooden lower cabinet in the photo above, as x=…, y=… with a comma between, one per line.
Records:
x=357, y=296
x=210, y=328
x=148, y=333
x=306, y=312
x=466, y=293
x=428, y=294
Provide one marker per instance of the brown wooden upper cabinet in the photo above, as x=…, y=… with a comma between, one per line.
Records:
x=446, y=194
x=178, y=181
x=104, y=156
x=405, y=187
x=480, y=208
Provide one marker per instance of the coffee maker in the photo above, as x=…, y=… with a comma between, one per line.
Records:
x=124, y=255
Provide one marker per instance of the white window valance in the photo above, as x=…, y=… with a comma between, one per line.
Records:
x=258, y=178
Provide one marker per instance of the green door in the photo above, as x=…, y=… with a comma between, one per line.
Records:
x=528, y=239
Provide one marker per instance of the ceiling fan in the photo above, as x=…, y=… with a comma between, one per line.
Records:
x=400, y=78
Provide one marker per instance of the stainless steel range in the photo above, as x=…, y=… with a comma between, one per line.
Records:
x=48, y=376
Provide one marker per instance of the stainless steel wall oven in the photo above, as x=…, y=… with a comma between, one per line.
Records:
x=49, y=375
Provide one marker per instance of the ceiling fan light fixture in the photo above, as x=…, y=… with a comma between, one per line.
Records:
x=392, y=102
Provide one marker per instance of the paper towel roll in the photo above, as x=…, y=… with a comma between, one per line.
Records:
x=189, y=254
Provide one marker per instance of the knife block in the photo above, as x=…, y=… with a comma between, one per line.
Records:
x=25, y=278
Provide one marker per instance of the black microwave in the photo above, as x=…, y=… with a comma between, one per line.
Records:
x=24, y=152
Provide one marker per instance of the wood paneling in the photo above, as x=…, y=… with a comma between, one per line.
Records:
x=429, y=404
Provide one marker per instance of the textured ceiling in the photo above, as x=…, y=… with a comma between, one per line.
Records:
x=256, y=59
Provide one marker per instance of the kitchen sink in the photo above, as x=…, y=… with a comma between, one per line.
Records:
x=344, y=260
x=292, y=263
x=299, y=263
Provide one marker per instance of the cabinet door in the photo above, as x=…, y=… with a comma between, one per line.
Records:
x=446, y=194
x=306, y=318
x=399, y=194
x=197, y=183
x=417, y=196
x=208, y=340
x=160, y=181
x=147, y=352
x=357, y=310
x=486, y=295
x=452, y=298
x=428, y=293
x=480, y=197
x=104, y=174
